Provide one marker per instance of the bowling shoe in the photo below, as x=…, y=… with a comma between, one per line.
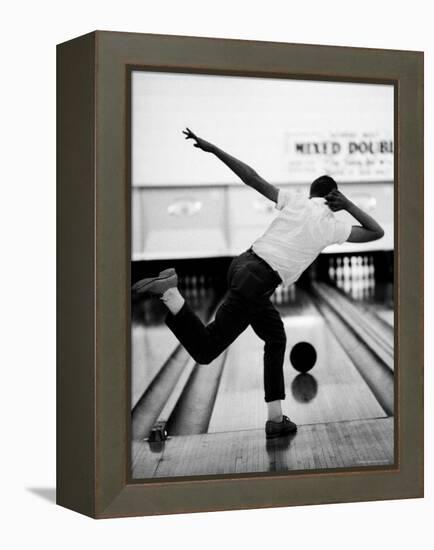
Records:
x=157, y=286
x=279, y=429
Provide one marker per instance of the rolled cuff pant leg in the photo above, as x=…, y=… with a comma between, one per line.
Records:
x=274, y=382
x=268, y=325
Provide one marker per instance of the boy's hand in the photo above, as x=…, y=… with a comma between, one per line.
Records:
x=336, y=201
x=200, y=143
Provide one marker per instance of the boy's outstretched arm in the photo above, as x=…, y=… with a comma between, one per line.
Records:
x=242, y=170
x=369, y=230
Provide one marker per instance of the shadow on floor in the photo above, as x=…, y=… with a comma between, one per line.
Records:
x=47, y=493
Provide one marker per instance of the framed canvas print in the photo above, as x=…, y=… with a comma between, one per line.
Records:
x=240, y=274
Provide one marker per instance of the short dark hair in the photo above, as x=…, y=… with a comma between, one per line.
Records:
x=322, y=186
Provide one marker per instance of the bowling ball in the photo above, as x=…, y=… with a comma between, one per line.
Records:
x=303, y=356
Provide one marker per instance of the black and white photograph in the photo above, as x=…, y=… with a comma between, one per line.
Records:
x=218, y=253
x=262, y=275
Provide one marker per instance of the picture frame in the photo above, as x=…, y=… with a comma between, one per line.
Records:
x=94, y=244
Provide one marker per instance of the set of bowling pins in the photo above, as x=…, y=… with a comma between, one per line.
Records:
x=195, y=287
x=355, y=275
x=283, y=294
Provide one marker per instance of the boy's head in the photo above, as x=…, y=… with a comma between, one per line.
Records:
x=322, y=186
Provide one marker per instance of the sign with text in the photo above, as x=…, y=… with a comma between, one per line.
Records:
x=346, y=156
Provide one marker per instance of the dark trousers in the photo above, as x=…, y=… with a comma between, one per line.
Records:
x=251, y=282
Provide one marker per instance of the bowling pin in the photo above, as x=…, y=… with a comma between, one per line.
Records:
x=358, y=269
x=331, y=269
x=353, y=290
x=346, y=275
x=360, y=277
x=372, y=276
x=371, y=266
x=367, y=277
x=339, y=272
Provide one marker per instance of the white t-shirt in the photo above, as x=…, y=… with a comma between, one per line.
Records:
x=302, y=229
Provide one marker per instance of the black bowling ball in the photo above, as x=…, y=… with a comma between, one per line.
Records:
x=303, y=356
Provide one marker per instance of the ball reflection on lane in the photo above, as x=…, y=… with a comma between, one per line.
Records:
x=304, y=388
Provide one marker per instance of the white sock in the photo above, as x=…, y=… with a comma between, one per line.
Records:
x=275, y=410
x=173, y=300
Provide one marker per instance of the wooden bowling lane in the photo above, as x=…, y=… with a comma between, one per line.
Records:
x=378, y=376
x=332, y=391
x=151, y=345
x=363, y=322
x=193, y=409
x=382, y=304
x=345, y=444
x=387, y=316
